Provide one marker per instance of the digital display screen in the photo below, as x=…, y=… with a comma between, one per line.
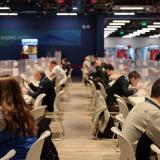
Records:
x=29, y=42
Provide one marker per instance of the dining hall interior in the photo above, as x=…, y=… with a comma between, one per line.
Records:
x=79, y=79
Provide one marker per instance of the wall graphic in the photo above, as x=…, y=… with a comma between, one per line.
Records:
x=45, y=37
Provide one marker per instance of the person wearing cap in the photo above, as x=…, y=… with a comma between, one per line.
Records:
x=141, y=126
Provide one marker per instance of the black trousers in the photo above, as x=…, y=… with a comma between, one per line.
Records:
x=143, y=148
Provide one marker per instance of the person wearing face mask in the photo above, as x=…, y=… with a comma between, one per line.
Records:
x=121, y=88
x=141, y=126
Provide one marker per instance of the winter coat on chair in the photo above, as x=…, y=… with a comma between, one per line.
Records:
x=102, y=122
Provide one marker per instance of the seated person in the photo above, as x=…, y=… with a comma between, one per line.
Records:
x=112, y=74
x=99, y=74
x=56, y=72
x=45, y=86
x=17, y=126
x=66, y=65
x=86, y=69
x=92, y=69
x=121, y=88
x=109, y=70
x=142, y=124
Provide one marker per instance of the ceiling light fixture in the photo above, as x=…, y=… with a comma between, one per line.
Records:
x=75, y=8
x=139, y=32
x=110, y=29
x=66, y=14
x=153, y=26
x=121, y=21
x=8, y=14
x=131, y=8
x=116, y=24
x=4, y=8
x=73, y=14
x=113, y=26
x=12, y=14
x=124, y=13
x=156, y=23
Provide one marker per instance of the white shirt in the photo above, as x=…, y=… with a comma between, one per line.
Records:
x=144, y=117
x=59, y=74
x=86, y=66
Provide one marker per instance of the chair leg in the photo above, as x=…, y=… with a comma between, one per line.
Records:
x=59, y=126
x=61, y=130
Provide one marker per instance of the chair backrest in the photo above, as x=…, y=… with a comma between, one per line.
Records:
x=38, y=100
x=103, y=91
x=34, y=152
x=56, y=103
x=38, y=112
x=101, y=115
x=156, y=150
x=9, y=155
x=123, y=109
x=58, y=88
x=127, y=152
x=93, y=87
x=70, y=72
x=119, y=97
x=95, y=100
x=120, y=119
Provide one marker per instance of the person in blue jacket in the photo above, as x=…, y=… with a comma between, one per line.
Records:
x=17, y=126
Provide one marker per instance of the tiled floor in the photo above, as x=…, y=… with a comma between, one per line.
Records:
x=77, y=143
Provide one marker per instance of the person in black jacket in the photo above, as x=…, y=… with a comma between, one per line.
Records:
x=45, y=86
x=99, y=72
x=66, y=65
x=121, y=87
x=109, y=69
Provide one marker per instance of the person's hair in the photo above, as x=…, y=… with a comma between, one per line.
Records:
x=92, y=63
x=65, y=59
x=109, y=67
x=155, y=91
x=15, y=111
x=134, y=74
x=103, y=64
x=40, y=71
x=53, y=62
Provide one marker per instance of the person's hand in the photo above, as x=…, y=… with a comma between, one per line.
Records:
x=135, y=90
x=24, y=90
x=27, y=81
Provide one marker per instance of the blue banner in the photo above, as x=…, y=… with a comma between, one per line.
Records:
x=45, y=37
